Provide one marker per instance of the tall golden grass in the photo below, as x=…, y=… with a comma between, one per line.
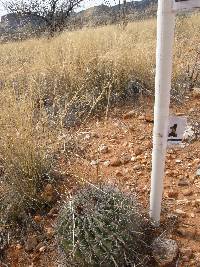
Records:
x=83, y=66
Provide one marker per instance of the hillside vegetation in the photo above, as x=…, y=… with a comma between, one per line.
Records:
x=48, y=85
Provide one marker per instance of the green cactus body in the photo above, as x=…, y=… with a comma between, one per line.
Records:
x=102, y=227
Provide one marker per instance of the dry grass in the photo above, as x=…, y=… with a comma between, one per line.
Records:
x=42, y=81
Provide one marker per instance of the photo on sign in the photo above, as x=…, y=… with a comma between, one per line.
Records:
x=176, y=129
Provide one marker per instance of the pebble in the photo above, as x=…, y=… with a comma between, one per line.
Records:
x=198, y=172
x=115, y=162
x=181, y=232
x=94, y=162
x=130, y=114
x=138, y=151
x=141, y=117
x=106, y=163
x=187, y=192
x=125, y=159
x=18, y=246
x=50, y=232
x=149, y=118
x=118, y=173
x=103, y=149
x=136, y=167
x=94, y=135
x=39, y=246
x=183, y=182
x=31, y=243
x=164, y=250
x=196, y=92
x=186, y=252
x=133, y=159
x=42, y=249
x=180, y=212
x=38, y=218
x=173, y=194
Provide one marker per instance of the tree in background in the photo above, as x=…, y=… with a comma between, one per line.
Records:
x=54, y=12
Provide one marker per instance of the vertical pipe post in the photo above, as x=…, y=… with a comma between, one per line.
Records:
x=164, y=55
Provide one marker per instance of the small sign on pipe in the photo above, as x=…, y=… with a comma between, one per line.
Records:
x=176, y=129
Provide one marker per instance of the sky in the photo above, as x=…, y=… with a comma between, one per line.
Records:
x=86, y=4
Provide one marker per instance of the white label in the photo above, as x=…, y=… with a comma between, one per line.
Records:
x=185, y=4
x=176, y=129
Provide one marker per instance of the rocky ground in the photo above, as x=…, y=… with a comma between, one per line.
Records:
x=118, y=151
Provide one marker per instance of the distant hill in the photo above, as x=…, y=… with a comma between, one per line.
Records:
x=104, y=14
x=99, y=15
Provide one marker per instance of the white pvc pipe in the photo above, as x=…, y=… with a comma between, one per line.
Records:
x=165, y=38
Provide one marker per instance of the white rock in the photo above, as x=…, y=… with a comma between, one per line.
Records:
x=94, y=162
x=188, y=134
x=164, y=250
x=103, y=149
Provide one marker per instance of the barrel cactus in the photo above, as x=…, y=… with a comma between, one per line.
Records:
x=103, y=227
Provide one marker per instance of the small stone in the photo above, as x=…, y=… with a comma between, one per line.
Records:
x=178, y=161
x=197, y=257
x=186, y=252
x=141, y=138
x=185, y=258
x=183, y=182
x=48, y=193
x=198, y=172
x=141, y=117
x=31, y=243
x=103, y=149
x=42, y=249
x=94, y=162
x=182, y=202
x=133, y=159
x=196, y=92
x=106, y=163
x=115, y=162
x=118, y=173
x=40, y=245
x=48, y=189
x=187, y=192
x=180, y=114
x=149, y=145
x=18, y=246
x=87, y=136
x=173, y=194
x=181, y=232
x=50, y=232
x=164, y=250
x=149, y=118
x=38, y=218
x=125, y=144
x=138, y=151
x=94, y=135
x=130, y=114
x=180, y=212
x=136, y=167
x=125, y=159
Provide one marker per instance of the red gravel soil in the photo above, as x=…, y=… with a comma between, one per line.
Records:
x=118, y=151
